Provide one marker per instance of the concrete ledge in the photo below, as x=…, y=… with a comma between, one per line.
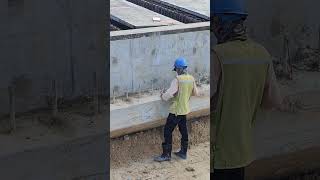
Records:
x=154, y=124
x=285, y=165
x=163, y=30
x=149, y=114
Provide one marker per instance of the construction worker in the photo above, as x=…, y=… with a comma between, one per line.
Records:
x=181, y=88
x=243, y=80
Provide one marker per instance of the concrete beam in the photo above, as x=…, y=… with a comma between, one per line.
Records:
x=162, y=30
x=199, y=8
x=135, y=16
x=149, y=113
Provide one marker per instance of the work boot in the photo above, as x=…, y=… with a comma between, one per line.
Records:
x=166, y=155
x=183, y=151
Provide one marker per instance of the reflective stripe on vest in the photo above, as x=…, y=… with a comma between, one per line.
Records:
x=245, y=61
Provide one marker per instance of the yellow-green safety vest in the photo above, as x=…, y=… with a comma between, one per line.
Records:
x=180, y=103
x=244, y=67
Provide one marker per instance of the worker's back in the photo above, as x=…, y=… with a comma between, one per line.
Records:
x=244, y=71
x=180, y=104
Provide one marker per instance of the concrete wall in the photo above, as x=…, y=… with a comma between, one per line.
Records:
x=49, y=40
x=138, y=57
x=268, y=19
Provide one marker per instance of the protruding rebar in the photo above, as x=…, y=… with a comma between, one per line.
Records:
x=12, y=108
x=55, y=99
x=95, y=94
x=127, y=94
x=139, y=90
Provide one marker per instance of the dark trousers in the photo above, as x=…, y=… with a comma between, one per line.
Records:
x=172, y=122
x=228, y=174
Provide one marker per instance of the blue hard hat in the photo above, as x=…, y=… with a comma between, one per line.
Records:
x=180, y=63
x=221, y=7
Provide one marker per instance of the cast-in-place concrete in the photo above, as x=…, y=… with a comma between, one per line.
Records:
x=200, y=8
x=146, y=113
x=135, y=16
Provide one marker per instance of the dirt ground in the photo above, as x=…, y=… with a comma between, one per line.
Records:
x=39, y=128
x=197, y=166
x=132, y=156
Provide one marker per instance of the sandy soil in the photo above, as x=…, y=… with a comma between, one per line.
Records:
x=132, y=156
x=197, y=166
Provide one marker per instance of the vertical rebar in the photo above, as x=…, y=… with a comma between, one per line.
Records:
x=163, y=86
x=55, y=99
x=151, y=86
x=12, y=108
x=319, y=38
x=139, y=90
x=127, y=94
x=95, y=94
x=114, y=96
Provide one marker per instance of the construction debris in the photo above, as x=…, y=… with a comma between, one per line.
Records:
x=189, y=169
x=307, y=59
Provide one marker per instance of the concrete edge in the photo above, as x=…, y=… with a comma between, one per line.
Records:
x=162, y=30
x=154, y=124
x=186, y=10
x=56, y=144
x=285, y=165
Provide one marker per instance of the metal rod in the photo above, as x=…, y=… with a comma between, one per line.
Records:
x=12, y=108
x=95, y=94
x=151, y=86
x=55, y=99
x=127, y=94
x=319, y=38
x=139, y=90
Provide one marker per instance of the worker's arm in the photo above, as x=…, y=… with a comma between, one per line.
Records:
x=195, y=91
x=272, y=98
x=215, y=81
x=173, y=89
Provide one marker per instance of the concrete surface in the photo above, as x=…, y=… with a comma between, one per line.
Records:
x=149, y=110
x=145, y=59
x=41, y=46
x=82, y=158
x=200, y=8
x=162, y=30
x=135, y=16
x=280, y=133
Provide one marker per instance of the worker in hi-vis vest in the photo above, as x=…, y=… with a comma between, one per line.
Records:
x=243, y=81
x=181, y=89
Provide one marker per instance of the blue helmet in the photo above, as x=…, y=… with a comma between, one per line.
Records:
x=224, y=7
x=180, y=63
